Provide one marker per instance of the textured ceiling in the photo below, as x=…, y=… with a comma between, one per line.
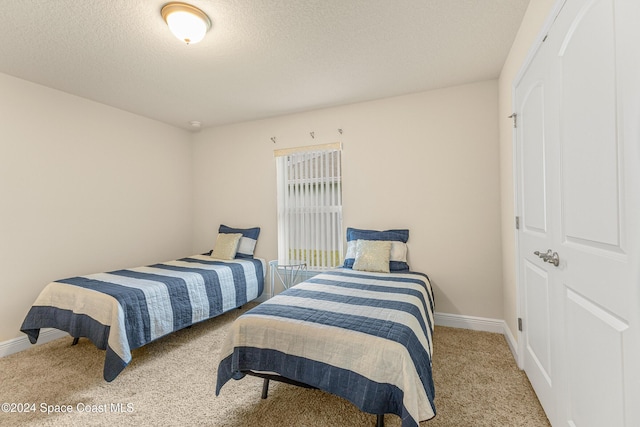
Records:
x=261, y=58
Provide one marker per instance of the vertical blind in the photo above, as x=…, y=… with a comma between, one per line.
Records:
x=309, y=181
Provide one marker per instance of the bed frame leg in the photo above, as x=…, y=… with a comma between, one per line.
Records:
x=75, y=340
x=380, y=420
x=265, y=388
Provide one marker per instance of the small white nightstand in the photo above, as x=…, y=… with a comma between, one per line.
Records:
x=288, y=275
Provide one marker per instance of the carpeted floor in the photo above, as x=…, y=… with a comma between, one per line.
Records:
x=171, y=382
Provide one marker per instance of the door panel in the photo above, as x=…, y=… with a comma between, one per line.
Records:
x=592, y=370
x=590, y=170
x=538, y=344
x=534, y=214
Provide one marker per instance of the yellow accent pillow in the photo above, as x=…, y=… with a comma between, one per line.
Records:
x=372, y=255
x=226, y=246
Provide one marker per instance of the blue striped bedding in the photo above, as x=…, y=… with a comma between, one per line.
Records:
x=366, y=337
x=125, y=309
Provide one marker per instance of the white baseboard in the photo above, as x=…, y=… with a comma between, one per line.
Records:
x=479, y=324
x=513, y=344
x=470, y=322
x=22, y=343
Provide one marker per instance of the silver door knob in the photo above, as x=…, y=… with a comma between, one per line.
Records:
x=549, y=256
x=544, y=255
x=555, y=259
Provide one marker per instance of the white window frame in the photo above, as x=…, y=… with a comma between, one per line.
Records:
x=309, y=181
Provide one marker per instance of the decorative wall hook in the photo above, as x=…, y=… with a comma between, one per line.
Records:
x=273, y=139
x=312, y=135
x=340, y=131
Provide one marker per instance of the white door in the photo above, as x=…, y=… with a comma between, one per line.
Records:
x=582, y=333
x=537, y=169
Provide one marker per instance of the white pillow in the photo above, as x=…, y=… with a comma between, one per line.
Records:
x=372, y=255
x=398, y=250
x=226, y=246
x=247, y=246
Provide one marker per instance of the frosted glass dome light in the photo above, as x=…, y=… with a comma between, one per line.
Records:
x=186, y=22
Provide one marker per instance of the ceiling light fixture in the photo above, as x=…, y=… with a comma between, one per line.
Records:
x=186, y=22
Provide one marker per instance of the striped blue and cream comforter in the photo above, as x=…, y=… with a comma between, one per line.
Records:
x=365, y=337
x=122, y=310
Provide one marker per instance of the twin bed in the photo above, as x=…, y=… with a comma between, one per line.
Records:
x=361, y=334
x=122, y=310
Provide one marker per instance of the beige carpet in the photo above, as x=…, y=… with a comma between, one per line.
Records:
x=171, y=382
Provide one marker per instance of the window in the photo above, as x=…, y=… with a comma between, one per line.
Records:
x=310, y=206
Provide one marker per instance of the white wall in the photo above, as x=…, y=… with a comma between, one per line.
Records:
x=83, y=188
x=427, y=161
x=532, y=22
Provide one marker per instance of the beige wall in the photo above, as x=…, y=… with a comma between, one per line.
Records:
x=528, y=35
x=427, y=161
x=83, y=188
